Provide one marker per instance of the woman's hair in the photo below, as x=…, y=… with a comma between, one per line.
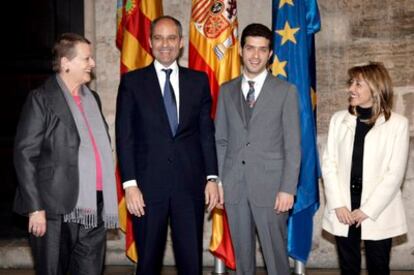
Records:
x=65, y=47
x=379, y=82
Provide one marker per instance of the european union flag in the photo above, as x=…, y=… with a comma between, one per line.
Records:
x=294, y=24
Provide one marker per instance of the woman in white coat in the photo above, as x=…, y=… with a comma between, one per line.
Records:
x=363, y=168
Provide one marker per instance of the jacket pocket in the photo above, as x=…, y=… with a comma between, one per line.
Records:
x=45, y=173
x=274, y=165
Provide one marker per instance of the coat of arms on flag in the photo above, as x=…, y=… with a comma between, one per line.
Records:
x=212, y=18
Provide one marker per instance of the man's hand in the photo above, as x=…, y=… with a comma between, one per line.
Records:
x=359, y=216
x=344, y=215
x=37, y=223
x=220, y=204
x=134, y=201
x=211, y=195
x=284, y=202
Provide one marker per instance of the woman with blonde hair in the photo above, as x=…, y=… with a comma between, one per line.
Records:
x=363, y=168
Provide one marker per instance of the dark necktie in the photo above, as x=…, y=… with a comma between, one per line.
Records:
x=170, y=102
x=250, y=94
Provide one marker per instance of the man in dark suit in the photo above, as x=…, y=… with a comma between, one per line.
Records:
x=65, y=168
x=258, y=147
x=166, y=152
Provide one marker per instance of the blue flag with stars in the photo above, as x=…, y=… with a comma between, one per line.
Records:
x=294, y=24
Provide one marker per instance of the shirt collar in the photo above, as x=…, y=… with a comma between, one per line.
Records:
x=258, y=80
x=159, y=67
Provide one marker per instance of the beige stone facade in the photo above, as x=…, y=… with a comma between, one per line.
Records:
x=353, y=32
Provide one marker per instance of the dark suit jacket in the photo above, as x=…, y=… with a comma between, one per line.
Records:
x=164, y=165
x=46, y=152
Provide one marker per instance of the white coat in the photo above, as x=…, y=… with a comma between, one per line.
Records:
x=384, y=166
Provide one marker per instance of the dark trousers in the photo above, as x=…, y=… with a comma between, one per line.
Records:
x=186, y=217
x=70, y=247
x=349, y=250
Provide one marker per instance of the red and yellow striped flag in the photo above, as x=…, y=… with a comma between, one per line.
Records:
x=134, y=19
x=214, y=49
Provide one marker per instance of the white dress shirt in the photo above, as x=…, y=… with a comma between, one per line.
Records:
x=174, y=79
x=258, y=84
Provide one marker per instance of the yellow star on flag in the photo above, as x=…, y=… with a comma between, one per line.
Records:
x=278, y=67
x=288, y=33
x=283, y=2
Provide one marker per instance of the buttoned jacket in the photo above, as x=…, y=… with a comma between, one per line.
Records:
x=264, y=152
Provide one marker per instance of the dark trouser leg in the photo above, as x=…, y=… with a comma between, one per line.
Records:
x=150, y=232
x=46, y=249
x=187, y=217
x=87, y=245
x=349, y=252
x=378, y=256
x=349, y=248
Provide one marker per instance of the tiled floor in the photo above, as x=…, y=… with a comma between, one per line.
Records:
x=127, y=270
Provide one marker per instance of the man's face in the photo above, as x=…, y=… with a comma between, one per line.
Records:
x=255, y=54
x=166, y=42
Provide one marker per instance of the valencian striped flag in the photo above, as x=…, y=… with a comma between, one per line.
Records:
x=214, y=49
x=134, y=19
x=294, y=24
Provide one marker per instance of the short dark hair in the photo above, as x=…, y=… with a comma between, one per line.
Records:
x=65, y=47
x=176, y=22
x=256, y=29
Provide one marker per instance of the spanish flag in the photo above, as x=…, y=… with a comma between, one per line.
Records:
x=214, y=49
x=134, y=19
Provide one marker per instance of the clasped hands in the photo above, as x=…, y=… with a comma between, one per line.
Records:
x=347, y=217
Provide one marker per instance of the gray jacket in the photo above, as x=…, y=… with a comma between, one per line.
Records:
x=265, y=151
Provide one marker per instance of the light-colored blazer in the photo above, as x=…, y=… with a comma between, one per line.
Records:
x=264, y=152
x=384, y=165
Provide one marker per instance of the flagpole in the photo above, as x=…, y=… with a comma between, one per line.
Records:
x=299, y=268
x=219, y=266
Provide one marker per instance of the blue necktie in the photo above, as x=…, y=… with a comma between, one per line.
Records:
x=170, y=102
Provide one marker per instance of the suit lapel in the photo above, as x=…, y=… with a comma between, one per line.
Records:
x=237, y=97
x=59, y=105
x=155, y=98
x=184, y=98
x=261, y=101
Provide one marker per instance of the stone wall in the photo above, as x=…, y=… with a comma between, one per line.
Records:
x=353, y=32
